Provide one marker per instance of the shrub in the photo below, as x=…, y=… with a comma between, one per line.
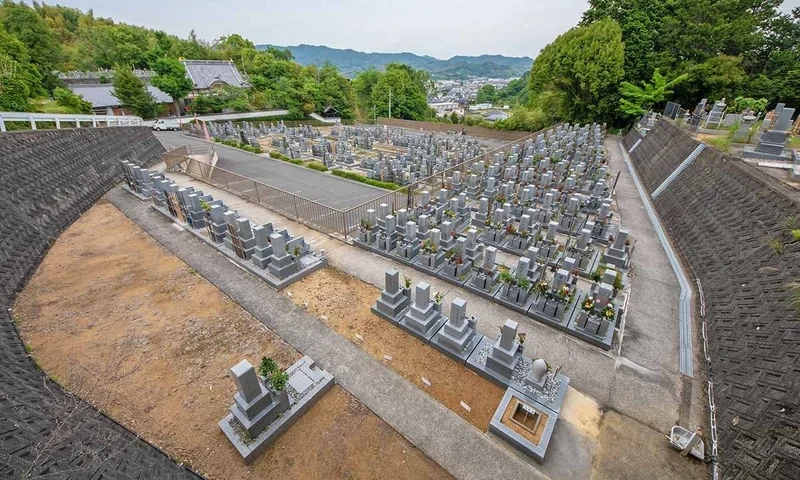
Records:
x=267, y=367
x=369, y=181
x=278, y=381
x=280, y=156
x=317, y=166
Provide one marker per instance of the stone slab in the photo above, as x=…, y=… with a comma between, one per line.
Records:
x=537, y=452
x=604, y=342
x=462, y=356
x=424, y=338
x=389, y=319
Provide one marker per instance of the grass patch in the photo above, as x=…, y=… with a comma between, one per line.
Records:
x=282, y=157
x=317, y=166
x=369, y=181
x=794, y=142
x=723, y=144
x=776, y=245
x=239, y=145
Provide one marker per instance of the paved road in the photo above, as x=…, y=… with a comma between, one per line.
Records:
x=323, y=188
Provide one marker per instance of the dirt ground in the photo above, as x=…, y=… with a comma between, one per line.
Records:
x=119, y=320
x=343, y=303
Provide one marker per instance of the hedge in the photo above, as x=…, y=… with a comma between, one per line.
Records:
x=239, y=145
x=368, y=181
x=280, y=156
x=317, y=166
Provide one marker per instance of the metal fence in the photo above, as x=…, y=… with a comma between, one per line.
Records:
x=314, y=214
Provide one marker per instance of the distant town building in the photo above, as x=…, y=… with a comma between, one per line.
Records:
x=495, y=116
x=480, y=106
x=446, y=108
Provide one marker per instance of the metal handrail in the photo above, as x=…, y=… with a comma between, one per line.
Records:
x=57, y=118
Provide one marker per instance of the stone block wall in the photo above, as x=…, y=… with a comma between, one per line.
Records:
x=47, y=179
x=630, y=138
x=661, y=151
x=721, y=213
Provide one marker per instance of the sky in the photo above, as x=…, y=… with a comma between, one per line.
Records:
x=439, y=28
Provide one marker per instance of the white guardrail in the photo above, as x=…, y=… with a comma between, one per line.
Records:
x=70, y=119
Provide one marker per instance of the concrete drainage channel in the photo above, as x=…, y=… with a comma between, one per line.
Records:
x=685, y=301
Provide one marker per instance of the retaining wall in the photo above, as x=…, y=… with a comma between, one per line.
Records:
x=721, y=213
x=47, y=179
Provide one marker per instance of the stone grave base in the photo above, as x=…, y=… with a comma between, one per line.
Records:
x=389, y=319
x=591, y=265
x=307, y=384
x=556, y=322
x=423, y=337
x=357, y=242
x=787, y=155
x=398, y=258
x=308, y=263
x=477, y=363
x=487, y=294
x=602, y=342
x=462, y=356
x=135, y=193
x=459, y=282
x=424, y=268
x=534, y=444
x=521, y=308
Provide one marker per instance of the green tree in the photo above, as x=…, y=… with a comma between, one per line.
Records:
x=399, y=89
x=486, y=94
x=637, y=100
x=362, y=90
x=171, y=78
x=30, y=28
x=13, y=94
x=584, y=67
x=717, y=78
x=132, y=93
x=75, y=103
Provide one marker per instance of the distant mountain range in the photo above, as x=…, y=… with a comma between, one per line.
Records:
x=350, y=62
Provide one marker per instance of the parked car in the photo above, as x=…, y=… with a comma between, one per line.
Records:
x=167, y=124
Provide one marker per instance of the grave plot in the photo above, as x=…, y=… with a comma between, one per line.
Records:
x=396, y=155
x=273, y=255
x=344, y=303
x=534, y=394
x=129, y=327
x=270, y=402
x=553, y=209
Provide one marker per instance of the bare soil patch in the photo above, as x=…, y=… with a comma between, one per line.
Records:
x=343, y=303
x=119, y=320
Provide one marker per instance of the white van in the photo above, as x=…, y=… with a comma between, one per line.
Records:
x=167, y=124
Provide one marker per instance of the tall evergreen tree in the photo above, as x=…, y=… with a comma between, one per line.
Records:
x=132, y=93
x=170, y=77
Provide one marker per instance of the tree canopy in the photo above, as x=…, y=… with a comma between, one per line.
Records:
x=132, y=93
x=399, y=90
x=583, y=67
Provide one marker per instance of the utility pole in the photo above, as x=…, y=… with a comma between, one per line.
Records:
x=390, y=102
x=374, y=115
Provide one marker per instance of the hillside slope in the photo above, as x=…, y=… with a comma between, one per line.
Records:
x=350, y=62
